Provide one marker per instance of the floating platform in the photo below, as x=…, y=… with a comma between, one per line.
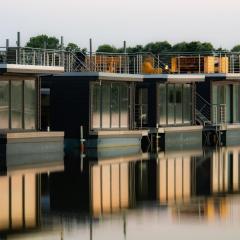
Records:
x=109, y=139
x=176, y=138
x=31, y=142
x=222, y=134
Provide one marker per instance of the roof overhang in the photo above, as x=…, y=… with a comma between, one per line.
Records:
x=104, y=76
x=176, y=78
x=223, y=76
x=30, y=69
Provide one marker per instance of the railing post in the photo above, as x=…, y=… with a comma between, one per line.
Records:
x=18, y=60
x=125, y=54
x=199, y=64
x=90, y=51
x=7, y=47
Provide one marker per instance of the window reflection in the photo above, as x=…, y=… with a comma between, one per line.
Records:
x=29, y=104
x=109, y=105
x=4, y=104
x=17, y=104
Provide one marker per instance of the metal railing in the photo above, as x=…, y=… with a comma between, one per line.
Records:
x=166, y=62
x=207, y=114
x=131, y=63
x=141, y=117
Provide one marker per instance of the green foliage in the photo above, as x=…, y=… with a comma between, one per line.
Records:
x=157, y=47
x=236, y=48
x=107, y=48
x=192, y=47
x=42, y=41
x=73, y=47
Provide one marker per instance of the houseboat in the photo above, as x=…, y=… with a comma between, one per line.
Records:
x=165, y=104
x=20, y=98
x=102, y=103
x=218, y=106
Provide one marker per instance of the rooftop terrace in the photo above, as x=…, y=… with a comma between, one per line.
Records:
x=137, y=63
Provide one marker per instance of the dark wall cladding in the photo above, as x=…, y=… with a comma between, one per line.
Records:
x=76, y=101
x=18, y=104
x=69, y=105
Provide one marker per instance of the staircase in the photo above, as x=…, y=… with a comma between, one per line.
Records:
x=203, y=111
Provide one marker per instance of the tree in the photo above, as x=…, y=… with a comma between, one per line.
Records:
x=107, y=48
x=236, y=48
x=180, y=47
x=135, y=49
x=42, y=41
x=157, y=47
x=195, y=46
x=73, y=47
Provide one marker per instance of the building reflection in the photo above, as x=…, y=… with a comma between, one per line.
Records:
x=175, y=175
x=113, y=183
x=20, y=188
x=187, y=185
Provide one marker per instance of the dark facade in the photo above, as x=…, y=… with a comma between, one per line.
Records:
x=164, y=102
x=222, y=92
x=96, y=102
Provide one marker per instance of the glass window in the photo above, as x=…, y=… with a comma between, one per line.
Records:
x=171, y=103
x=178, y=105
x=30, y=105
x=187, y=103
x=143, y=105
x=214, y=102
x=221, y=99
x=162, y=108
x=115, y=106
x=236, y=103
x=106, y=105
x=124, y=106
x=96, y=100
x=228, y=103
x=16, y=104
x=4, y=104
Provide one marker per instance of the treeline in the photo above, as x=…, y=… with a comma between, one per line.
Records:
x=161, y=47
x=51, y=42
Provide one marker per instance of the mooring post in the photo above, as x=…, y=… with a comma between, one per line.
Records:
x=157, y=137
x=82, y=140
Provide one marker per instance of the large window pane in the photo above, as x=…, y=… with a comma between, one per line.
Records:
x=143, y=106
x=115, y=106
x=124, y=106
x=221, y=99
x=30, y=104
x=236, y=103
x=214, y=103
x=162, y=108
x=187, y=103
x=4, y=104
x=228, y=103
x=106, y=105
x=178, y=106
x=171, y=103
x=95, y=100
x=16, y=104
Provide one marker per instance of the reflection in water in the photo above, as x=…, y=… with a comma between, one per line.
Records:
x=117, y=196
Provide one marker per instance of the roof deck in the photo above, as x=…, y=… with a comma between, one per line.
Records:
x=30, y=61
x=60, y=60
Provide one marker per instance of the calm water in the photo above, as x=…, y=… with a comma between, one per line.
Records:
x=121, y=194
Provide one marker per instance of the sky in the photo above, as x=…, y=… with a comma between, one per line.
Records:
x=113, y=21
